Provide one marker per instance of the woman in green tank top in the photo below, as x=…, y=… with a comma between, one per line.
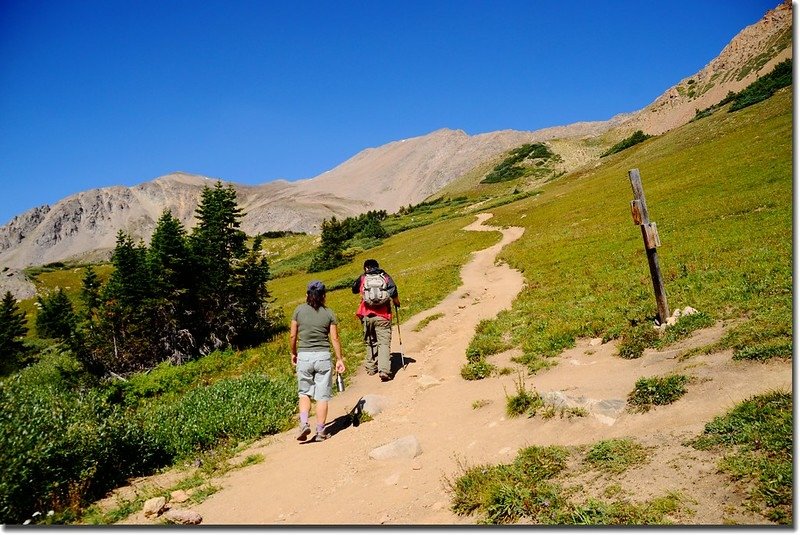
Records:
x=313, y=331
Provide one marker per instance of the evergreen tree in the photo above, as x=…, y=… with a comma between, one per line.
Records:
x=330, y=253
x=56, y=317
x=168, y=257
x=90, y=292
x=124, y=338
x=12, y=329
x=252, y=296
x=216, y=245
x=129, y=283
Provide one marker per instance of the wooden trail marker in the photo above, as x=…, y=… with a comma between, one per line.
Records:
x=651, y=242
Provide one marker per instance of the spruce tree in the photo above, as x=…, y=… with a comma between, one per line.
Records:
x=251, y=297
x=56, y=317
x=168, y=257
x=330, y=253
x=90, y=292
x=217, y=244
x=12, y=329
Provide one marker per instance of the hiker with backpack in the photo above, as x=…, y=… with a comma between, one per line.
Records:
x=313, y=330
x=378, y=292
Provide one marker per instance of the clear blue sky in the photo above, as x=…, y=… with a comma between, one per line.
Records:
x=97, y=93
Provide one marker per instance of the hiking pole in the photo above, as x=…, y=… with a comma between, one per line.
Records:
x=400, y=337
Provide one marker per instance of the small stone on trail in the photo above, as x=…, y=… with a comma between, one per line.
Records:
x=596, y=341
x=416, y=465
x=406, y=447
x=178, y=496
x=374, y=404
x=185, y=517
x=154, y=506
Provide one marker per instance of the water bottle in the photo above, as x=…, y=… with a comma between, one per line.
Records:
x=339, y=382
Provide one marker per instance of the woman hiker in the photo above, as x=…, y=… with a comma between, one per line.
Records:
x=313, y=331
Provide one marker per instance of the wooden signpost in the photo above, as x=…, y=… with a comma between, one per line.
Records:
x=651, y=242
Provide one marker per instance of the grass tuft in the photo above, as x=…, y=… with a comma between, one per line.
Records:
x=657, y=391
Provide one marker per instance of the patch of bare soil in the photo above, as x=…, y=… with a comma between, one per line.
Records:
x=337, y=483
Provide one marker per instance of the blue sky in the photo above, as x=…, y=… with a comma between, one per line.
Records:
x=97, y=93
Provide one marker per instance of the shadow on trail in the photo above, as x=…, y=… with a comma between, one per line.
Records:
x=396, y=362
x=352, y=418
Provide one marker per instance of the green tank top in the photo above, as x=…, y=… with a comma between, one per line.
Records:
x=313, y=327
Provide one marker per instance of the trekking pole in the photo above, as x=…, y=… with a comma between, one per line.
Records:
x=400, y=337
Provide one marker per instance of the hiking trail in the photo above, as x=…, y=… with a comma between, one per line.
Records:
x=337, y=483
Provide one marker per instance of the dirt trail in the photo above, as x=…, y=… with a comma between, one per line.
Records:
x=336, y=482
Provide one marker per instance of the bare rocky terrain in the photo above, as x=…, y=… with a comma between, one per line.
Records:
x=83, y=226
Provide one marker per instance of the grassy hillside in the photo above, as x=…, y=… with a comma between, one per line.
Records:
x=720, y=191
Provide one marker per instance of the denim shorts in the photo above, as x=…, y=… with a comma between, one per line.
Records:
x=314, y=374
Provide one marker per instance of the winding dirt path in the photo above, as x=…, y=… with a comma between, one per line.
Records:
x=337, y=483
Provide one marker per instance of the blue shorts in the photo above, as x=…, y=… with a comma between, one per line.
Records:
x=314, y=374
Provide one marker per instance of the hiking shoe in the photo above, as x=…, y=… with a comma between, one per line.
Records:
x=305, y=430
x=384, y=376
x=321, y=436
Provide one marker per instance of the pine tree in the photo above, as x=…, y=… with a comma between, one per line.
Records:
x=251, y=297
x=56, y=317
x=168, y=257
x=216, y=245
x=90, y=292
x=12, y=329
x=330, y=253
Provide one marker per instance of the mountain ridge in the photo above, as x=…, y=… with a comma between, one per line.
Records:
x=84, y=225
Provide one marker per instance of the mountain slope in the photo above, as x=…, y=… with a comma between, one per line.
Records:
x=84, y=225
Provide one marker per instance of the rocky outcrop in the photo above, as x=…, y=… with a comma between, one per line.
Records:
x=753, y=53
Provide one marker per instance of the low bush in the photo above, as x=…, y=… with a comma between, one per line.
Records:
x=62, y=448
x=634, y=139
x=479, y=369
x=238, y=409
x=657, y=391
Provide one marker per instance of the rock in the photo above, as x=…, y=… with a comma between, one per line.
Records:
x=688, y=311
x=374, y=404
x=392, y=479
x=154, y=506
x=178, y=496
x=406, y=447
x=185, y=517
x=416, y=465
x=595, y=342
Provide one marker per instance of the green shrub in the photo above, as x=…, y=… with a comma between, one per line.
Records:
x=509, y=169
x=764, y=87
x=62, y=448
x=765, y=351
x=488, y=340
x=479, y=369
x=657, y=391
x=634, y=139
x=523, y=401
x=634, y=340
x=238, y=409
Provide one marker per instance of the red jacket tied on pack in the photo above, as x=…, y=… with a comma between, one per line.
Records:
x=365, y=310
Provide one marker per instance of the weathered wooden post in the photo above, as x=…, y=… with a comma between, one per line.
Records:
x=651, y=242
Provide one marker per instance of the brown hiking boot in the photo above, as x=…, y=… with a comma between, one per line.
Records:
x=385, y=377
